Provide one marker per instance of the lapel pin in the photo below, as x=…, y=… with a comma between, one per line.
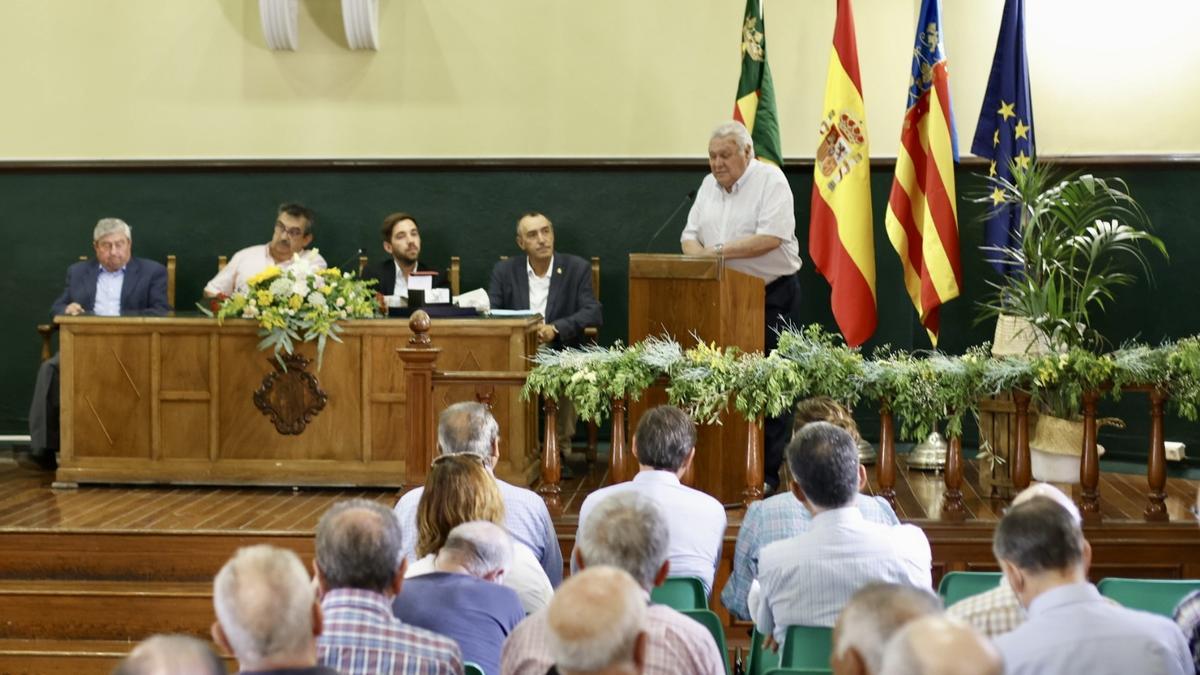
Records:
x=559, y=270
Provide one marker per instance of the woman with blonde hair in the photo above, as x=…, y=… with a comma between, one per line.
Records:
x=460, y=490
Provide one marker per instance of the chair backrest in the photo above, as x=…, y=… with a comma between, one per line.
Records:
x=958, y=585
x=760, y=661
x=680, y=593
x=596, y=276
x=470, y=668
x=455, y=274
x=712, y=622
x=1159, y=596
x=806, y=647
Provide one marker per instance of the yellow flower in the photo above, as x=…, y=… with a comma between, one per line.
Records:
x=264, y=297
x=331, y=272
x=327, y=289
x=295, y=301
x=265, y=275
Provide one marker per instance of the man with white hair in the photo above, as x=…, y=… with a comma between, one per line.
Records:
x=463, y=598
x=627, y=531
x=171, y=655
x=744, y=214
x=869, y=620
x=936, y=645
x=267, y=614
x=114, y=283
x=998, y=611
x=358, y=572
x=468, y=427
x=595, y=625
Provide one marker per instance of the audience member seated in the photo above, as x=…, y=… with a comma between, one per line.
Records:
x=665, y=445
x=627, y=531
x=1070, y=628
x=781, y=516
x=807, y=579
x=358, y=572
x=869, y=620
x=469, y=428
x=402, y=241
x=464, y=599
x=459, y=490
x=594, y=625
x=1187, y=614
x=293, y=233
x=112, y=284
x=936, y=645
x=171, y=655
x=998, y=611
x=267, y=614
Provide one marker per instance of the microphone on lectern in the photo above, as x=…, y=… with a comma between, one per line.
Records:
x=686, y=198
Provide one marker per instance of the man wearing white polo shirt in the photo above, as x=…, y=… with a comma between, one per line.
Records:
x=665, y=443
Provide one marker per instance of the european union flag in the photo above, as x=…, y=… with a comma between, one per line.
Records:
x=1004, y=133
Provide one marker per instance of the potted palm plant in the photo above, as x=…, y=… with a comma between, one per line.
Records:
x=1081, y=239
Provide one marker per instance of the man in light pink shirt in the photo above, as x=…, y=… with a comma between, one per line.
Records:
x=293, y=234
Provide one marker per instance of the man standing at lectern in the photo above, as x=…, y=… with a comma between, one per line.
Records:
x=744, y=213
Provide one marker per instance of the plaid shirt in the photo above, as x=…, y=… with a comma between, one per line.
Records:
x=1187, y=615
x=675, y=644
x=525, y=517
x=992, y=613
x=362, y=637
x=773, y=519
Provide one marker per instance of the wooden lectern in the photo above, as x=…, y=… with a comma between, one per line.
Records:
x=694, y=298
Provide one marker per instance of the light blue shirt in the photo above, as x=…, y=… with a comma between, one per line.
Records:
x=108, y=292
x=695, y=520
x=776, y=518
x=1072, y=629
x=525, y=516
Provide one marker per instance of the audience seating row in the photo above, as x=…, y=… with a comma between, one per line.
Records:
x=1158, y=596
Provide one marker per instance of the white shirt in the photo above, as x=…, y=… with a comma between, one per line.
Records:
x=807, y=579
x=525, y=577
x=248, y=262
x=539, y=287
x=695, y=520
x=759, y=203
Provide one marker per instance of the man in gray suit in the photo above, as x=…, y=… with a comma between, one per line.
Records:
x=114, y=283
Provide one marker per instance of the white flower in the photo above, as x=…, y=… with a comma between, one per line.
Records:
x=317, y=299
x=290, y=312
x=341, y=302
x=250, y=311
x=300, y=288
x=342, y=314
x=281, y=287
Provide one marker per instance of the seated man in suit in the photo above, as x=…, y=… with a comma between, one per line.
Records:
x=113, y=284
x=402, y=241
x=293, y=234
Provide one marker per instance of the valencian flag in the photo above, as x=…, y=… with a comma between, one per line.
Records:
x=922, y=216
x=755, y=104
x=840, y=239
x=1004, y=133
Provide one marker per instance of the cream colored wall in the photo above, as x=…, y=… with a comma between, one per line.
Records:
x=615, y=78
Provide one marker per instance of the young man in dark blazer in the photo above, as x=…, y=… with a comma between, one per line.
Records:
x=557, y=285
x=402, y=241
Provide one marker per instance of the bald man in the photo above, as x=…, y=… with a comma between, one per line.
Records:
x=935, y=645
x=870, y=619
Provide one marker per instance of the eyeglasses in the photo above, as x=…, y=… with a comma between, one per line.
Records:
x=290, y=231
x=441, y=459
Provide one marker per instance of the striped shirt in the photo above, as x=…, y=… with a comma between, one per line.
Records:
x=994, y=612
x=362, y=637
x=773, y=519
x=1187, y=615
x=675, y=644
x=525, y=517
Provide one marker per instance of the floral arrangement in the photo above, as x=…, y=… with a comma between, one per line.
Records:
x=921, y=389
x=300, y=303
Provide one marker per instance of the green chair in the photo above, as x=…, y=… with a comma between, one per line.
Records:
x=680, y=593
x=958, y=585
x=1159, y=596
x=712, y=622
x=807, y=647
x=799, y=671
x=472, y=669
x=760, y=661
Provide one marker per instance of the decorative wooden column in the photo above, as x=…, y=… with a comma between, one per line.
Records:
x=1020, y=461
x=420, y=360
x=1156, y=466
x=618, y=460
x=885, y=466
x=1089, y=465
x=754, y=463
x=952, y=500
x=551, y=467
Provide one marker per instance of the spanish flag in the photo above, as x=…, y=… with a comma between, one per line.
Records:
x=922, y=216
x=840, y=239
x=754, y=105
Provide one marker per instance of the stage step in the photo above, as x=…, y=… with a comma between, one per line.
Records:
x=103, y=610
x=66, y=657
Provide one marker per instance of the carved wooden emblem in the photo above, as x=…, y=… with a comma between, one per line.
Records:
x=290, y=395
